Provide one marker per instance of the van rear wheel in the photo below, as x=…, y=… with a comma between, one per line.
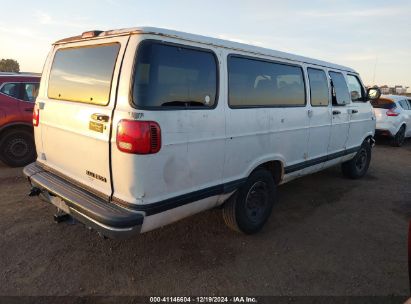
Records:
x=17, y=148
x=358, y=166
x=249, y=208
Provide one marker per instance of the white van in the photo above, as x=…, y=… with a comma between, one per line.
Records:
x=138, y=128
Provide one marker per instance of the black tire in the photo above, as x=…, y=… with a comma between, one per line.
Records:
x=249, y=208
x=17, y=148
x=358, y=166
x=399, y=138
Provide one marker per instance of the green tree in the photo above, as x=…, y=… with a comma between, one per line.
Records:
x=9, y=65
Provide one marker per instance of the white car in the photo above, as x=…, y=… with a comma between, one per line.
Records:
x=138, y=128
x=393, y=113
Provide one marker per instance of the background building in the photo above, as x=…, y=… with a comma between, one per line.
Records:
x=396, y=90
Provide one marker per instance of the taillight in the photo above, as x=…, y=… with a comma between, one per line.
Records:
x=138, y=137
x=391, y=112
x=36, y=116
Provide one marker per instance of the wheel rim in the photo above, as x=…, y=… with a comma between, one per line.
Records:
x=361, y=160
x=256, y=201
x=18, y=148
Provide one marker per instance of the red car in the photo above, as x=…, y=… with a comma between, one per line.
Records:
x=17, y=95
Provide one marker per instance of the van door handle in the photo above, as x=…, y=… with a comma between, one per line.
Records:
x=100, y=117
x=354, y=111
x=336, y=112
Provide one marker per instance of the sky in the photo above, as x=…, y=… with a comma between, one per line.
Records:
x=371, y=36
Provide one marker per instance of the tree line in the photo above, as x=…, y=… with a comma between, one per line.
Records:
x=9, y=65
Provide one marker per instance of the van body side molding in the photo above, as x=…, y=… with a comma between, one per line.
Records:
x=319, y=160
x=107, y=218
x=181, y=200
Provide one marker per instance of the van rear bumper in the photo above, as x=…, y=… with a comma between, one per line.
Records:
x=107, y=218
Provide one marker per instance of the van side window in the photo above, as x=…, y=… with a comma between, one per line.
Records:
x=254, y=83
x=356, y=90
x=174, y=76
x=318, y=87
x=341, y=95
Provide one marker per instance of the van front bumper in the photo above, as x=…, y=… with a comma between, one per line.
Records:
x=106, y=218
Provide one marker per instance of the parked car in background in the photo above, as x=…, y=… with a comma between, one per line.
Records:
x=138, y=128
x=17, y=96
x=393, y=113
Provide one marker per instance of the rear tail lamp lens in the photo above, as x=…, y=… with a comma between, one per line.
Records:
x=138, y=137
x=391, y=112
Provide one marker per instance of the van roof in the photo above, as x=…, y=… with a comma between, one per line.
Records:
x=208, y=41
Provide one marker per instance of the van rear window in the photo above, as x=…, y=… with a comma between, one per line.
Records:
x=174, y=76
x=83, y=74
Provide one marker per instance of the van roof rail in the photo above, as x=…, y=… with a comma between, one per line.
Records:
x=204, y=40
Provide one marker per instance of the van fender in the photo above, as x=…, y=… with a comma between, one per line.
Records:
x=266, y=159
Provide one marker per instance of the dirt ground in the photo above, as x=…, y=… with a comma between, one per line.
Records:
x=327, y=236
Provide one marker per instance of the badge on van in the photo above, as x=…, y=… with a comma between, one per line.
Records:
x=96, y=176
x=96, y=126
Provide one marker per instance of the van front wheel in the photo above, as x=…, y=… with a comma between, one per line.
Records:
x=358, y=166
x=249, y=208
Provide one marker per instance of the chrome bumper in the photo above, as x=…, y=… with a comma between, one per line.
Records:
x=107, y=218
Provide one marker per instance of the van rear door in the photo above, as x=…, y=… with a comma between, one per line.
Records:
x=76, y=111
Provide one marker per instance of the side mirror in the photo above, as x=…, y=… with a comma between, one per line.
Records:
x=373, y=93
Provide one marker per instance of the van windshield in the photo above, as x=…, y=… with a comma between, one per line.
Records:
x=83, y=74
x=383, y=103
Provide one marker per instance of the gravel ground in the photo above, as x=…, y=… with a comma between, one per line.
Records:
x=327, y=236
